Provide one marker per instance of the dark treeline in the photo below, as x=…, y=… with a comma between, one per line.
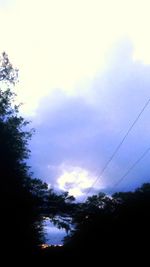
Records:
x=117, y=226
x=24, y=200
x=102, y=228
x=108, y=229
x=19, y=210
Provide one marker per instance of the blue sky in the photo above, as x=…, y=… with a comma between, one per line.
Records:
x=54, y=236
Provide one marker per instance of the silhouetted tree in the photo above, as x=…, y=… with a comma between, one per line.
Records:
x=110, y=227
x=25, y=200
x=21, y=225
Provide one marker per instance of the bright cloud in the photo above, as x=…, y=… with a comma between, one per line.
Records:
x=75, y=180
x=60, y=44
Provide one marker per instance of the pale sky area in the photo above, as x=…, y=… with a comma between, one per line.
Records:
x=62, y=43
x=84, y=76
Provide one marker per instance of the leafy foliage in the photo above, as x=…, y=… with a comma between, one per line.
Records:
x=25, y=200
x=21, y=225
x=106, y=225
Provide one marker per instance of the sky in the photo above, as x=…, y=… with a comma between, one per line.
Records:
x=84, y=70
x=54, y=236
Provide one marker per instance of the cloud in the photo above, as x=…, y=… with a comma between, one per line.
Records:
x=75, y=180
x=58, y=44
x=80, y=132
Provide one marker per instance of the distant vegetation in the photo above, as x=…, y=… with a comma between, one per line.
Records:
x=101, y=226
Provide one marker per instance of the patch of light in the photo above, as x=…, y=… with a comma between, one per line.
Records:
x=49, y=186
x=76, y=180
x=77, y=192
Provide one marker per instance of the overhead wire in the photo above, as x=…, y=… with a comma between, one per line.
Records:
x=132, y=167
x=118, y=146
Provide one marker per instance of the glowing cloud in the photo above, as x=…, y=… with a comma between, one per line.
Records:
x=76, y=180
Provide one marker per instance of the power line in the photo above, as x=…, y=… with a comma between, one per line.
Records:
x=132, y=167
x=119, y=145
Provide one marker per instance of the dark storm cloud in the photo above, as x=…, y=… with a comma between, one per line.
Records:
x=84, y=130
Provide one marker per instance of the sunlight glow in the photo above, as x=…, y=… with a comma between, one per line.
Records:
x=75, y=180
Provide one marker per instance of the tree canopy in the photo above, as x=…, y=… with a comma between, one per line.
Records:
x=24, y=200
